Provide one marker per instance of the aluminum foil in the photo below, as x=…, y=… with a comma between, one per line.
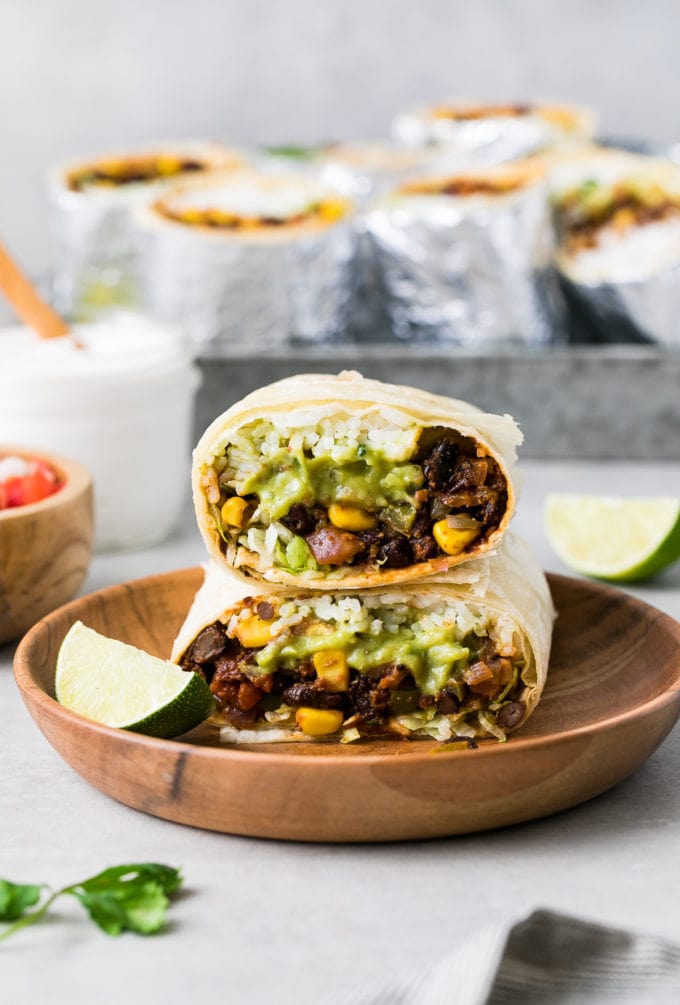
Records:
x=97, y=259
x=472, y=272
x=490, y=140
x=364, y=172
x=643, y=310
x=230, y=295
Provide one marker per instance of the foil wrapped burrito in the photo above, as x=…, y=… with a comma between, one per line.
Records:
x=249, y=260
x=328, y=482
x=364, y=171
x=454, y=659
x=92, y=201
x=467, y=258
x=495, y=132
x=617, y=217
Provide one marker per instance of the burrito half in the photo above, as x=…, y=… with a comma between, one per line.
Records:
x=456, y=659
x=329, y=482
x=245, y=261
x=495, y=132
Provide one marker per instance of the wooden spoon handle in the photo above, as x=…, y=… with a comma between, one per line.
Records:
x=26, y=300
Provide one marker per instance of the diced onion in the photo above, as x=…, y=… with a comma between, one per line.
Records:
x=461, y=521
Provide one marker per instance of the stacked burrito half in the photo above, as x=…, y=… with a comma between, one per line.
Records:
x=361, y=581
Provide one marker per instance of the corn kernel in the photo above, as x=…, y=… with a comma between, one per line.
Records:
x=318, y=721
x=193, y=216
x=332, y=210
x=252, y=632
x=452, y=540
x=350, y=517
x=167, y=165
x=234, y=511
x=331, y=667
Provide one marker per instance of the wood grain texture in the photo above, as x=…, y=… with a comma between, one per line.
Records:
x=45, y=548
x=613, y=694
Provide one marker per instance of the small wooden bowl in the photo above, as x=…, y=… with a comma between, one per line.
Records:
x=45, y=547
x=613, y=693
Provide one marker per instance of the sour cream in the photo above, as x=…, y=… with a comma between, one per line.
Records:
x=119, y=399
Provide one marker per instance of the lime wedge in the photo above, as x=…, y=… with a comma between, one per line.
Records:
x=623, y=540
x=119, y=685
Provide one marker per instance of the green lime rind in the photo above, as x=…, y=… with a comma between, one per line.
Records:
x=667, y=554
x=614, y=539
x=119, y=685
x=189, y=709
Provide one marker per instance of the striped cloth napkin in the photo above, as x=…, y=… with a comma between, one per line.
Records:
x=545, y=959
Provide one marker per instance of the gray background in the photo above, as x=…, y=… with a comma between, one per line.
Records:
x=77, y=75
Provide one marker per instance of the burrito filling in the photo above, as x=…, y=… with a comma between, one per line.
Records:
x=473, y=112
x=583, y=213
x=561, y=117
x=324, y=211
x=132, y=170
x=375, y=664
x=366, y=492
x=467, y=185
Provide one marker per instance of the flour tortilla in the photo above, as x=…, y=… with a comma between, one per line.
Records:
x=316, y=396
x=508, y=582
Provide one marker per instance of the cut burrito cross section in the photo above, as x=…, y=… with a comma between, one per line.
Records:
x=248, y=201
x=445, y=661
x=358, y=493
x=132, y=170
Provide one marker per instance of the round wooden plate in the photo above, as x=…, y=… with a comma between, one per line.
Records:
x=613, y=694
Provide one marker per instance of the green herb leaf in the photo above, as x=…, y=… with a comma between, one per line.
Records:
x=16, y=898
x=296, y=152
x=128, y=897
x=139, y=909
x=126, y=876
x=124, y=898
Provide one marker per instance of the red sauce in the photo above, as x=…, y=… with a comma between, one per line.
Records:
x=26, y=480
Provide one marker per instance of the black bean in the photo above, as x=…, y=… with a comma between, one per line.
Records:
x=299, y=519
x=511, y=714
x=424, y=548
x=265, y=610
x=209, y=644
x=311, y=696
x=369, y=700
x=447, y=701
x=440, y=463
x=395, y=554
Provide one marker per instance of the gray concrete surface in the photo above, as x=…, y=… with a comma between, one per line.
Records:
x=266, y=921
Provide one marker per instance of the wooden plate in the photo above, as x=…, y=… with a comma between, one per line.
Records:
x=613, y=694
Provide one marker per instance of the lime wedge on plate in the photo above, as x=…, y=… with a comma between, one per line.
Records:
x=119, y=685
x=623, y=540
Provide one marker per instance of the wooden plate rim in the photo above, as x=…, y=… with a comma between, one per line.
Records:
x=35, y=696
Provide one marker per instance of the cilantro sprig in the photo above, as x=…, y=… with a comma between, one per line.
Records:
x=131, y=898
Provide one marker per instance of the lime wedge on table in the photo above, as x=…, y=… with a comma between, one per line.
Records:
x=611, y=538
x=119, y=685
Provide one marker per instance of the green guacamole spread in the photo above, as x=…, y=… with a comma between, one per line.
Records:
x=431, y=656
x=371, y=482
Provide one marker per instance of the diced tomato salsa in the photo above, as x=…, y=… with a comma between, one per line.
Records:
x=25, y=480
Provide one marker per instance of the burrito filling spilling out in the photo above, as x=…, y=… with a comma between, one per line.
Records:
x=367, y=492
x=586, y=212
x=372, y=664
x=133, y=170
